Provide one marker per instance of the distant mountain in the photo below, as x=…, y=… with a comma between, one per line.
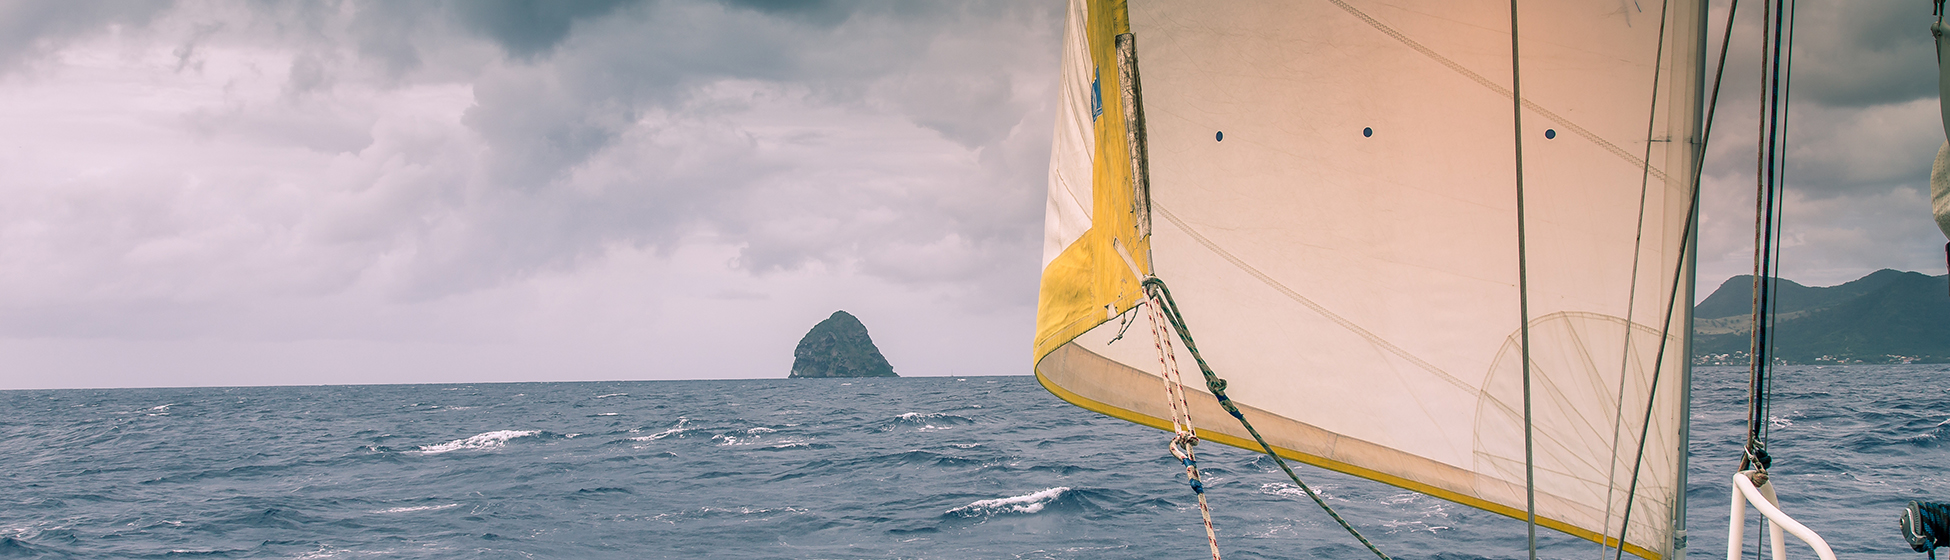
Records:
x=1889, y=316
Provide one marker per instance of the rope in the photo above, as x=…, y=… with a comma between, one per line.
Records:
x=1183, y=437
x=1155, y=287
x=1769, y=177
x=1926, y=525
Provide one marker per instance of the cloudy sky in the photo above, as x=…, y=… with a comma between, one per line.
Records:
x=253, y=193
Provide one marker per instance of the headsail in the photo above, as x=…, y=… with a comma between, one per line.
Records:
x=1331, y=202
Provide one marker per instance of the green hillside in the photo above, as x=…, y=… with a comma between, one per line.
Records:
x=1888, y=316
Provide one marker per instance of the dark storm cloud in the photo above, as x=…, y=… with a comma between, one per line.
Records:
x=1862, y=103
x=632, y=71
x=1862, y=131
x=527, y=28
x=31, y=28
x=1864, y=53
x=904, y=141
x=823, y=13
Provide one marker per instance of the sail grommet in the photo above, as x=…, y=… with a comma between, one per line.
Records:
x=1219, y=136
x=1367, y=132
x=1550, y=134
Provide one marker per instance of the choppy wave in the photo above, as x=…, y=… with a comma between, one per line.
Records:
x=674, y=430
x=1027, y=503
x=923, y=421
x=489, y=440
x=897, y=468
x=411, y=509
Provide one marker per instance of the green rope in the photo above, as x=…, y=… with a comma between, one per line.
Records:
x=1218, y=388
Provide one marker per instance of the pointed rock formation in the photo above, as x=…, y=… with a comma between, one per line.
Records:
x=839, y=347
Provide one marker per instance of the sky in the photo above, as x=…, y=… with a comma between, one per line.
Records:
x=329, y=192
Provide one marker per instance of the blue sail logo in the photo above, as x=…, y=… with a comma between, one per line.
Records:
x=1096, y=96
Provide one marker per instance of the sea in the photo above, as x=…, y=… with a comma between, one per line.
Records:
x=935, y=467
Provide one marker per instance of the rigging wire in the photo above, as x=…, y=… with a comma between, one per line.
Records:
x=1769, y=180
x=1780, y=206
x=1523, y=291
x=1631, y=305
x=1777, y=34
x=1693, y=206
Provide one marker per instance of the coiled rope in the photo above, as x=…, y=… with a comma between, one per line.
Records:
x=1926, y=525
x=1183, y=437
x=1156, y=291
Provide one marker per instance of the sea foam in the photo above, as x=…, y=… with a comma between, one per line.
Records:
x=1027, y=503
x=488, y=440
x=411, y=509
x=678, y=429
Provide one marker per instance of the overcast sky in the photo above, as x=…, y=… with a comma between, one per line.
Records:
x=266, y=193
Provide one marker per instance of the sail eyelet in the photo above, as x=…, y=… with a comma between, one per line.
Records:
x=1367, y=132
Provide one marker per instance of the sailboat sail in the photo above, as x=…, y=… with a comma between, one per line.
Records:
x=1331, y=200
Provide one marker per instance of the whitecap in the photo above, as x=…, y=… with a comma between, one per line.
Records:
x=411, y=509
x=760, y=430
x=678, y=429
x=488, y=440
x=612, y=395
x=607, y=413
x=1027, y=503
x=1284, y=489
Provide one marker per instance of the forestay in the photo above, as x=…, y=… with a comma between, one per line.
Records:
x=1332, y=202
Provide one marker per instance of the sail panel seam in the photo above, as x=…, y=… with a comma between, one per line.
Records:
x=1575, y=128
x=1310, y=304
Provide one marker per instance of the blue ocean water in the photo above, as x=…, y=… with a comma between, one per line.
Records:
x=974, y=467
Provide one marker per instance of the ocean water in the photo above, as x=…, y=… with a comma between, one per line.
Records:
x=973, y=467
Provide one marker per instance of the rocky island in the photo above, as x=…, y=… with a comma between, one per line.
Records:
x=839, y=347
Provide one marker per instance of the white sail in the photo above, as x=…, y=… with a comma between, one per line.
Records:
x=1333, y=204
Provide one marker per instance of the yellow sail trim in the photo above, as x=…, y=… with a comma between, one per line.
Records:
x=1337, y=466
x=1090, y=281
